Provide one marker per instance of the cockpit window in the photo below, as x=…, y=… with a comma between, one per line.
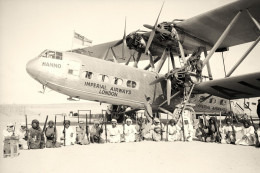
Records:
x=51, y=54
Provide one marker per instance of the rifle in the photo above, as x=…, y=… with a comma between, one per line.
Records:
x=218, y=136
x=14, y=129
x=161, y=127
x=233, y=132
x=167, y=128
x=55, y=131
x=123, y=137
x=43, y=130
x=105, y=127
x=256, y=135
x=27, y=133
x=99, y=133
x=87, y=126
x=64, y=132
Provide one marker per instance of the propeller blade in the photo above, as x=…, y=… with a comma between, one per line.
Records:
x=148, y=26
x=149, y=41
x=158, y=16
x=163, y=31
x=118, y=43
x=124, y=41
x=169, y=88
x=169, y=84
x=127, y=62
x=153, y=31
x=137, y=59
x=151, y=61
x=159, y=79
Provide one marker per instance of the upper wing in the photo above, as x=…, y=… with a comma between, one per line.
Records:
x=244, y=86
x=210, y=25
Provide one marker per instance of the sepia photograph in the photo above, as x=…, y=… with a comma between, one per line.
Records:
x=129, y=86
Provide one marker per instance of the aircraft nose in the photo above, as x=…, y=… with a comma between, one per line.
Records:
x=31, y=68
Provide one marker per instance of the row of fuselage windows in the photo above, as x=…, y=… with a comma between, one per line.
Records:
x=214, y=101
x=106, y=79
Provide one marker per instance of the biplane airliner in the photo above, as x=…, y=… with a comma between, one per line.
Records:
x=102, y=73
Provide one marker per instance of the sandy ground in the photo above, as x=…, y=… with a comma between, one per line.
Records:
x=142, y=157
x=147, y=156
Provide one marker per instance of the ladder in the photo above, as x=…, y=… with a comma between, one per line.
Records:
x=183, y=106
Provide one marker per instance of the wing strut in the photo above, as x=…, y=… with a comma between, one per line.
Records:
x=208, y=65
x=221, y=38
x=250, y=48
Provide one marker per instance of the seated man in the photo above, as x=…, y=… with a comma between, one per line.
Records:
x=129, y=131
x=67, y=134
x=248, y=137
x=11, y=147
x=212, y=130
x=188, y=130
x=23, y=137
x=81, y=135
x=95, y=133
x=157, y=130
x=114, y=132
x=35, y=136
x=51, y=136
x=227, y=133
x=173, y=131
x=201, y=131
x=139, y=127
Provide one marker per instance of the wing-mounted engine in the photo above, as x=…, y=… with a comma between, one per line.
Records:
x=164, y=31
x=136, y=41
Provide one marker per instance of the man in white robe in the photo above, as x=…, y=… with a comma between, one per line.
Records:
x=248, y=137
x=114, y=132
x=173, y=131
x=70, y=136
x=129, y=131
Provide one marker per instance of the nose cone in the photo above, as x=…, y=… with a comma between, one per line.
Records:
x=32, y=68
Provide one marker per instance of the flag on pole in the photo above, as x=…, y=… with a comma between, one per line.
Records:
x=82, y=38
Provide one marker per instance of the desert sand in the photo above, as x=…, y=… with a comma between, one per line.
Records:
x=146, y=156
x=138, y=157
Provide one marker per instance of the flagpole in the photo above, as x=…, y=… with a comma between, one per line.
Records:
x=72, y=40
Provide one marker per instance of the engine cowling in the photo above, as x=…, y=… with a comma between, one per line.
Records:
x=135, y=41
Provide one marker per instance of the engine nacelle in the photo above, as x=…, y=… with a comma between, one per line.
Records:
x=135, y=41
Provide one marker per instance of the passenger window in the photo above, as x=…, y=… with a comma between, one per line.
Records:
x=88, y=75
x=131, y=84
x=212, y=100
x=103, y=78
x=118, y=81
x=223, y=102
x=128, y=83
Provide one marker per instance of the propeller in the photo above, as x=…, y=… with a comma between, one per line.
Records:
x=169, y=84
x=153, y=28
x=167, y=75
x=122, y=41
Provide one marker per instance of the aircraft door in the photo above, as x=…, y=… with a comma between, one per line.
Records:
x=73, y=69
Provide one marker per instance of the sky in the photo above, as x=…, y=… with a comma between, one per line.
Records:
x=30, y=26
